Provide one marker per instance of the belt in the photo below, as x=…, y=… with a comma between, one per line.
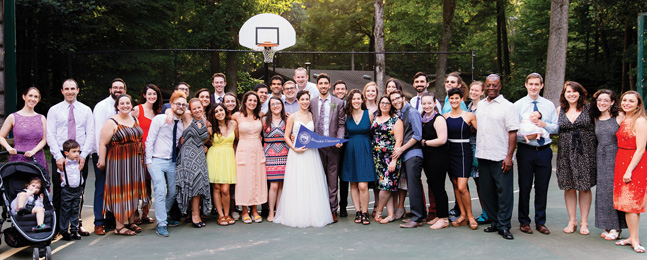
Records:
x=536, y=148
x=458, y=140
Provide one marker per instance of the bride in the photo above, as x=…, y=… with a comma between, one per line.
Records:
x=304, y=201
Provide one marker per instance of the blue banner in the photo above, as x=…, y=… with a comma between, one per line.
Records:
x=310, y=139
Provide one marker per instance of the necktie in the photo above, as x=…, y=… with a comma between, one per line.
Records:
x=219, y=99
x=174, y=156
x=541, y=140
x=320, y=122
x=417, y=102
x=71, y=124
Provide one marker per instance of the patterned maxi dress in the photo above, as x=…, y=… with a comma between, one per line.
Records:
x=276, y=151
x=125, y=183
x=383, y=145
x=577, y=146
x=191, y=174
x=27, y=133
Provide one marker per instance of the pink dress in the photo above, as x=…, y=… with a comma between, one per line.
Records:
x=27, y=133
x=251, y=180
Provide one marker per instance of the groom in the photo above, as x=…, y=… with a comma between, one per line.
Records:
x=329, y=120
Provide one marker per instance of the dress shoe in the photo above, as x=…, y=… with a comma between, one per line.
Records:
x=343, y=213
x=505, y=233
x=490, y=229
x=66, y=236
x=75, y=236
x=543, y=229
x=411, y=224
x=99, y=230
x=334, y=217
x=525, y=228
x=83, y=232
x=172, y=223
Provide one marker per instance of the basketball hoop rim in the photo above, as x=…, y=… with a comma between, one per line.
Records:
x=267, y=45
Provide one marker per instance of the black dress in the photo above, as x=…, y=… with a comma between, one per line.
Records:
x=435, y=165
x=576, y=158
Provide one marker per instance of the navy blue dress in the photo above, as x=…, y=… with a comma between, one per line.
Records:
x=460, y=150
x=358, y=159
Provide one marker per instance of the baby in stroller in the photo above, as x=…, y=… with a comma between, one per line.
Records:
x=30, y=202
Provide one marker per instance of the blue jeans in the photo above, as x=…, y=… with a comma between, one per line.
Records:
x=99, y=185
x=162, y=173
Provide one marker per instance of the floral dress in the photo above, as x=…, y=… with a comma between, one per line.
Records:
x=383, y=142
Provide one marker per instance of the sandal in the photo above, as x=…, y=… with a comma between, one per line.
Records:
x=639, y=249
x=613, y=235
x=230, y=220
x=147, y=220
x=365, y=219
x=623, y=242
x=457, y=223
x=570, y=228
x=127, y=233
x=584, y=229
x=133, y=227
x=440, y=224
x=223, y=221
x=433, y=221
x=138, y=221
x=473, y=224
x=258, y=219
x=247, y=220
x=387, y=220
x=377, y=218
x=604, y=234
x=358, y=217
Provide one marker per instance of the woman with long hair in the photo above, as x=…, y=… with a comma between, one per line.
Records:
x=387, y=132
x=251, y=179
x=231, y=103
x=631, y=166
x=205, y=98
x=358, y=168
x=608, y=117
x=371, y=93
x=150, y=105
x=576, y=154
x=276, y=150
x=221, y=161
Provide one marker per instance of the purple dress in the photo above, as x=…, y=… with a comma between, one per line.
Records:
x=27, y=133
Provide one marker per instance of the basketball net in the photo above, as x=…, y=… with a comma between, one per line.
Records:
x=268, y=51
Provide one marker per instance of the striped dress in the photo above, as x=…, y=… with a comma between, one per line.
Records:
x=276, y=151
x=191, y=174
x=125, y=183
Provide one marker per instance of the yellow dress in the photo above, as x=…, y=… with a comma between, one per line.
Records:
x=221, y=161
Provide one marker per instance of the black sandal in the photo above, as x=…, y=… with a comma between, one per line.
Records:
x=358, y=217
x=133, y=227
x=365, y=220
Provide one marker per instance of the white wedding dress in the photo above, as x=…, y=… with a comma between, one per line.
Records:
x=304, y=200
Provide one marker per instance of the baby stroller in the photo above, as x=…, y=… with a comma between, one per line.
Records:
x=13, y=177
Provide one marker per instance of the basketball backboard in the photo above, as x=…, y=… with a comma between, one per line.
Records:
x=264, y=29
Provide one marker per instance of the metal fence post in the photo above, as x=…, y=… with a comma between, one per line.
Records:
x=473, y=65
x=640, y=59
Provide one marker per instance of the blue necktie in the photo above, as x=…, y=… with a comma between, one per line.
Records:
x=174, y=156
x=541, y=140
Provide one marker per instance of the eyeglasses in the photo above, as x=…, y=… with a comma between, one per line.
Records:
x=275, y=105
x=181, y=104
x=385, y=103
x=118, y=88
x=288, y=89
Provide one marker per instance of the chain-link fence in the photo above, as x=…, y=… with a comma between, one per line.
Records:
x=94, y=70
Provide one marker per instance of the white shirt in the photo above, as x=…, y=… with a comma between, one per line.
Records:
x=415, y=99
x=499, y=117
x=312, y=88
x=326, y=113
x=73, y=173
x=265, y=106
x=102, y=113
x=217, y=97
x=57, y=117
x=160, y=135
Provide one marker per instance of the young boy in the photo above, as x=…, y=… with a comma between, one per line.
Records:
x=71, y=189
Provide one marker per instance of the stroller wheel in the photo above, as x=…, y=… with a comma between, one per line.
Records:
x=48, y=253
x=36, y=254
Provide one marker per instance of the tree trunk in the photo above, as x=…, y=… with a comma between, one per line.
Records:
x=556, y=59
x=232, y=72
x=504, y=39
x=449, y=6
x=499, y=58
x=625, y=65
x=378, y=34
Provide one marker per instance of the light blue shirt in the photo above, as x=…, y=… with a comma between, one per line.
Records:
x=447, y=107
x=291, y=108
x=548, y=115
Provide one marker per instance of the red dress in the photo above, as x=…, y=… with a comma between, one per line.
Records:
x=144, y=122
x=629, y=197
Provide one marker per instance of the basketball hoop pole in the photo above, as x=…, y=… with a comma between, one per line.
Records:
x=267, y=75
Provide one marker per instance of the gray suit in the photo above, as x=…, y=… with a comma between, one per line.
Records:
x=330, y=155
